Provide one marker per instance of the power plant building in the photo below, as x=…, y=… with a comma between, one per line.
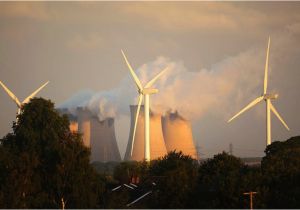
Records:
x=178, y=135
x=103, y=140
x=84, y=125
x=167, y=133
x=157, y=144
x=99, y=136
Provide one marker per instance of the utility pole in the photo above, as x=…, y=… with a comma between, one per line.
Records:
x=251, y=193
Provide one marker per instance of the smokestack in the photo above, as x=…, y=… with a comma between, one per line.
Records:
x=157, y=144
x=84, y=125
x=178, y=134
x=103, y=140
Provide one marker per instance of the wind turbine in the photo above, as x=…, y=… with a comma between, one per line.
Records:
x=145, y=92
x=16, y=100
x=269, y=106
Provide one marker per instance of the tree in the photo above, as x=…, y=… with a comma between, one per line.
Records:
x=220, y=183
x=281, y=172
x=48, y=166
x=174, y=175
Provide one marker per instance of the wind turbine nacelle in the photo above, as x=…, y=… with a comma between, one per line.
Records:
x=149, y=91
x=270, y=96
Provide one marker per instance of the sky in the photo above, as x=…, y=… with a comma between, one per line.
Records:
x=215, y=52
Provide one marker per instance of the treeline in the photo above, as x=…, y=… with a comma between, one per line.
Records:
x=44, y=165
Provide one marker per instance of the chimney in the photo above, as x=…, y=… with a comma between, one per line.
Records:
x=157, y=144
x=104, y=145
x=178, y=134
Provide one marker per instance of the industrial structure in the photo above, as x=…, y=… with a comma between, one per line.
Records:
x=103, y=140
x=168, y=133
x=25, y=101
x=157, y=144
x=267, y=97
x=178, y=135
x=84, y=124
x=144, y=93
x=97, y=135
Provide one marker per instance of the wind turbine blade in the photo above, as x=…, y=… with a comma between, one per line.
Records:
x=34, y=93
x=14, y=98
x=278, y=116
x=266, y=68
x=136, y=79
x=253, y=103
x=135, y=121
x=149, y=84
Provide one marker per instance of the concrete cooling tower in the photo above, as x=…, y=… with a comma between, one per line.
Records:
x=103, y=140
x=73, y=126
x=157, y=144
x=84, y=125
x=97, y=135
x=178, y=134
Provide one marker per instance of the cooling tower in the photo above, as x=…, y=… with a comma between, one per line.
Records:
x=73, y=126
x=157, y=144
x=103, y=140
x=84, y=125
x=178, y=134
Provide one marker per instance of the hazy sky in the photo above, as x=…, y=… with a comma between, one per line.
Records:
x=216, y=51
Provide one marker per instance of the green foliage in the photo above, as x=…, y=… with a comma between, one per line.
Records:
x=175, y=175
x=281, y=172
x=126, y=170
x=220, y=182
x=43, y=163
x=47, y=162
x=105, y=168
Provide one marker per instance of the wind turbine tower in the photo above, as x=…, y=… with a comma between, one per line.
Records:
x=267, y=97
x=16, y=100
x=145, y=92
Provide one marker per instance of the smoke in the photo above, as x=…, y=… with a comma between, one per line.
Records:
x=224, y=88
x=191, y=93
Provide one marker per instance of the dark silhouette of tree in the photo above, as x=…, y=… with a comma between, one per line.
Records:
x=281, y=170
x=175, y=175
x=48, y=166
x=220, y=183
x=45, y=165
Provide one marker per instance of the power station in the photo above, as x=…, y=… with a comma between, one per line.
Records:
x=157, y=144
x=168, y=132
x=178, y=134
x=99, y=136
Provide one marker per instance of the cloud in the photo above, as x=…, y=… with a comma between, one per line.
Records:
x=178, y=16
x=87, y=42
x=31, y=10
x=193, y=94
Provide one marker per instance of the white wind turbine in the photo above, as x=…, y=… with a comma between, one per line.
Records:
x=16, y=100
x=269, y=106
x=145, y=91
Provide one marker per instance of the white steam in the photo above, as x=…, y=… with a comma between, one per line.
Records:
x=225, y=88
